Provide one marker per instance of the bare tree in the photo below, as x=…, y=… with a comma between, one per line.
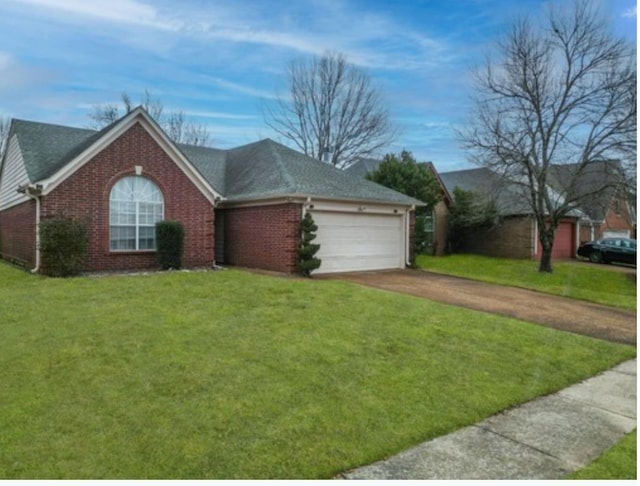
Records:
x=175, y=124
x=333, y=113
x=560, y=101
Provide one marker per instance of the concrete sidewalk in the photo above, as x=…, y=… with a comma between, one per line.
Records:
x=546, y=438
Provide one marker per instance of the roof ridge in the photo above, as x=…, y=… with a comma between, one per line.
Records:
x=274, y=149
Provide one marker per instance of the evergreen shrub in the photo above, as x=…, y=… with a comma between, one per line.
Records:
x=63, y=246
x=170, y=242
x=307, y=262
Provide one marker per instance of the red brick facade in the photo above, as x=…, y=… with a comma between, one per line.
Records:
x=85, y=196
x=616, y=219
x=18, y=234
x=263, y=236
x=511, y=238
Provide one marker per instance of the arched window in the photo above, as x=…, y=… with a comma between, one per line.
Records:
x=135, y=206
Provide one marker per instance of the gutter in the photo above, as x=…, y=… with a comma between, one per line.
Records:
x=34, y=192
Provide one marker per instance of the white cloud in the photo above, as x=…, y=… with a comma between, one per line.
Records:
x=240, y=88
x=219, y=115
x=120, y=11
x=632, y=12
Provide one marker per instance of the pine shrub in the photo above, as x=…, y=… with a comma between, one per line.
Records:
x=63, y=246
x=170, y=241
x=307, y=262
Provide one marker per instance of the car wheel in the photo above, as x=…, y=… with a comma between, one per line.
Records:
x=595, y=257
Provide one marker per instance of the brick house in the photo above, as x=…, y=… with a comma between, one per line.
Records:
x=608, y=212
x=604, y=211
x=240, y=206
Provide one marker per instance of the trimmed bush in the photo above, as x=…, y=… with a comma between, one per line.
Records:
x=170, y=241
x=307, y=262
x=63, y=246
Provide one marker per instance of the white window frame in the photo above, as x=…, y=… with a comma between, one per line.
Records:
x=137, y=193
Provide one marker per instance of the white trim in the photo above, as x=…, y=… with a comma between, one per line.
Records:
x=139, y=115
x=301, y=198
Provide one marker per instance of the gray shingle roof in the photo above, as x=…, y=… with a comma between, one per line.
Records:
x=47, y=148
x=508, y=199
x=267, y=168
x=508, y=196
x=595, y=186
x=259, y=170
x=210, y=162
x=362, y=167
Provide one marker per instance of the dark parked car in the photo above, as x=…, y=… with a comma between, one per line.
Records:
x=607, y=250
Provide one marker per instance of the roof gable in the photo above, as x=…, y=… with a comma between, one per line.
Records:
x=52, y=152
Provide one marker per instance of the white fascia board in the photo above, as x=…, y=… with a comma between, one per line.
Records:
x=139, y=115
x=365, y=207
x=322, y=203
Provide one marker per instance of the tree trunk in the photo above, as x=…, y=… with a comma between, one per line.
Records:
x=546, y=241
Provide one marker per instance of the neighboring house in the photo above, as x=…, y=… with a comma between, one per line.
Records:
x=601, y=213
x=436, y=222
x=608, y=212
x=515, y=235
x=241, y=206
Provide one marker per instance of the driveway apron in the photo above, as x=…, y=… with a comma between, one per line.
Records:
x=617, y=325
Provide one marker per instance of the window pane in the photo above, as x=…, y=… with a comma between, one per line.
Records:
x=123, y=213
x=147, y=240
x=123, y=238
x=149, y=213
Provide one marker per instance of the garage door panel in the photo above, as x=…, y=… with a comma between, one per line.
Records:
x=563, y=242
x=356, y=241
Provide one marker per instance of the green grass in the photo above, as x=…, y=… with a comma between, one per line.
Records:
x=569, y=279
x=619, y=462
x=233, y=375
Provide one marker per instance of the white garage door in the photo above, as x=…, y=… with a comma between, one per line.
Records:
x=357, y=241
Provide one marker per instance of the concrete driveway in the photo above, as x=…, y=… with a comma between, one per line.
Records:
x=571, y=315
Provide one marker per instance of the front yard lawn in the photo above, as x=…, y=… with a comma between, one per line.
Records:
x=228, y=374
x=569, y=279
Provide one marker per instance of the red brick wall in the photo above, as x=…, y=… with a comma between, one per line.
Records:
x=511, y=238
x=617, y=218
x=85, y=195
x=263, y=236
x=18, y=233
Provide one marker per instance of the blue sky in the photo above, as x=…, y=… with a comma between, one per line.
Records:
x=217, y=60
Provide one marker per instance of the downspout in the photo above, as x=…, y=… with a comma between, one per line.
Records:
x=306, y=205
x=38, y=192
